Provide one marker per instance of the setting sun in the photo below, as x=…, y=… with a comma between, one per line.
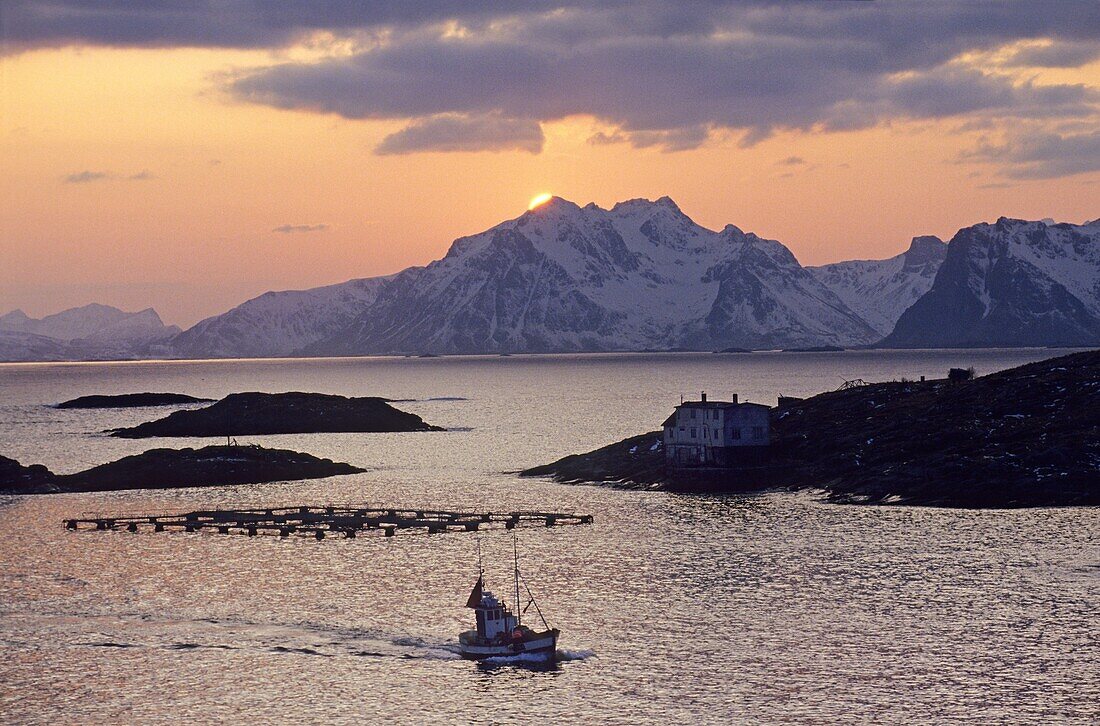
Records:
x=540, y=199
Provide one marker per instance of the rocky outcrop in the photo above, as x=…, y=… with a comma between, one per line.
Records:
x=1028, y=436
x=174, y=468
x=14, y=477
x=132, y=400
x=244, y=414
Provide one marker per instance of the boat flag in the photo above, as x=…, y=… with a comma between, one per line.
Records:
x=475, y=595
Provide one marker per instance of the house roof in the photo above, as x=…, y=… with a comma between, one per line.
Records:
x=718, y=404
x=670, y=420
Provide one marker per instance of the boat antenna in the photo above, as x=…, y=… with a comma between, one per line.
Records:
x=515, y=553
x=480, y=570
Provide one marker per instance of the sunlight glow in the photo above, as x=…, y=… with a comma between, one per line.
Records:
x=540, y=199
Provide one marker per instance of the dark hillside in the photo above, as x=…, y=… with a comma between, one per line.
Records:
x=1028, y=436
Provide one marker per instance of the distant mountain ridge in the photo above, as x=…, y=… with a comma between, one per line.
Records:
x=881, y=290
x=278, y=323
x=638, y=276
x=641, y=275
x=1011, y=283
x=89, y=332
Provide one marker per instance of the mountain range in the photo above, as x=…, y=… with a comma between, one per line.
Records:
x=638, y=276
x=91, y=332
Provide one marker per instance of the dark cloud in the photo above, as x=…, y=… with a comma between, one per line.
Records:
x=1042, y=154
x=465, y=133
x=659, y=74
x=223, y=23
x=1056, y=55
x=791, y=161
x=143, y=175
x=83, y=177
x=300, y=228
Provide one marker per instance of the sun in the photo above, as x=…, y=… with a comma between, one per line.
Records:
x=539, y=199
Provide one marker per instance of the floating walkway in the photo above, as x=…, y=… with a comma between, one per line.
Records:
x=320, y=522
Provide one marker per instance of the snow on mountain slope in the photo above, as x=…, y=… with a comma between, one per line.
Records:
x=641, y=275
x=1011, y=283
x=879, y=291
x=278, y=323
x=89, y=332
x=99, y=322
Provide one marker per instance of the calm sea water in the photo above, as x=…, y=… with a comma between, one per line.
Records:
x=775, y=608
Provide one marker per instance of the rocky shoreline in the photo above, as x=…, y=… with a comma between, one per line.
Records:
x=1023, y=437
x=174, y=468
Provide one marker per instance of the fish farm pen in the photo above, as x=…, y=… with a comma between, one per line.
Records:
x=320, y=522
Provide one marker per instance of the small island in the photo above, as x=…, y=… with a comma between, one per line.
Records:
x=174, y=468
x=132, y=400
x=1023, y=437
x=254, y=414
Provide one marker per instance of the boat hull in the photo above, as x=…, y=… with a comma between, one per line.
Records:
x=543, y=646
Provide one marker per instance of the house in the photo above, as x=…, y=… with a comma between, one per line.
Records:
x=716, y=433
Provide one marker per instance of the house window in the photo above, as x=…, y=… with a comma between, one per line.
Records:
x=693, y=432
x=693, y=413
x=715, y=414
x=735, y=434
x=758, y=432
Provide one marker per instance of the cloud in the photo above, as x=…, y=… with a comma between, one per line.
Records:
x=670, y=76
x=1055, y=55
x=1038, y=154
x=213, y=24
x=300, y=228
x=832, y=67
x=791, y=161
x=465, y=133
x=83, y=177
x=666, y=140
x=143, y=175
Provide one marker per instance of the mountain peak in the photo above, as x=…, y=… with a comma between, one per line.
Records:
x=925, y=249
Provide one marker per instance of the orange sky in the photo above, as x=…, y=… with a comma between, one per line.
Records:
x=195, y=237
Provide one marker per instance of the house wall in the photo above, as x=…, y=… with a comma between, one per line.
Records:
x=746, y=426
x=704, y=436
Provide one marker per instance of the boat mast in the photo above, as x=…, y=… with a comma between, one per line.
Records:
x=515, y=553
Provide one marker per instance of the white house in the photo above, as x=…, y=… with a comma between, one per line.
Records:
x=716, y=433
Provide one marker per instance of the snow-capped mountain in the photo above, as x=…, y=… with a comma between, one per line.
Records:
x=94, y=321
x=641, y=275
x=879, y=291
x=89, y=332
x=279, y=323
x=1010, y=283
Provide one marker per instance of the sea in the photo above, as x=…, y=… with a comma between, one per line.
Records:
x=768, y=608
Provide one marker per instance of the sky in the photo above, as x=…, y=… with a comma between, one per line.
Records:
x=190, y=155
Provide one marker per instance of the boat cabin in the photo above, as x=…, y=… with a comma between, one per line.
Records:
x=493, y=617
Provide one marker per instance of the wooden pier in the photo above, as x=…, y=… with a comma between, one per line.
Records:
x=321, y=522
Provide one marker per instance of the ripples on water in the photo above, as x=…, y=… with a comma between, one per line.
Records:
x=774, y=608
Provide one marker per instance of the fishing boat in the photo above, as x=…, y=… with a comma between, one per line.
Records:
x=499, y=631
